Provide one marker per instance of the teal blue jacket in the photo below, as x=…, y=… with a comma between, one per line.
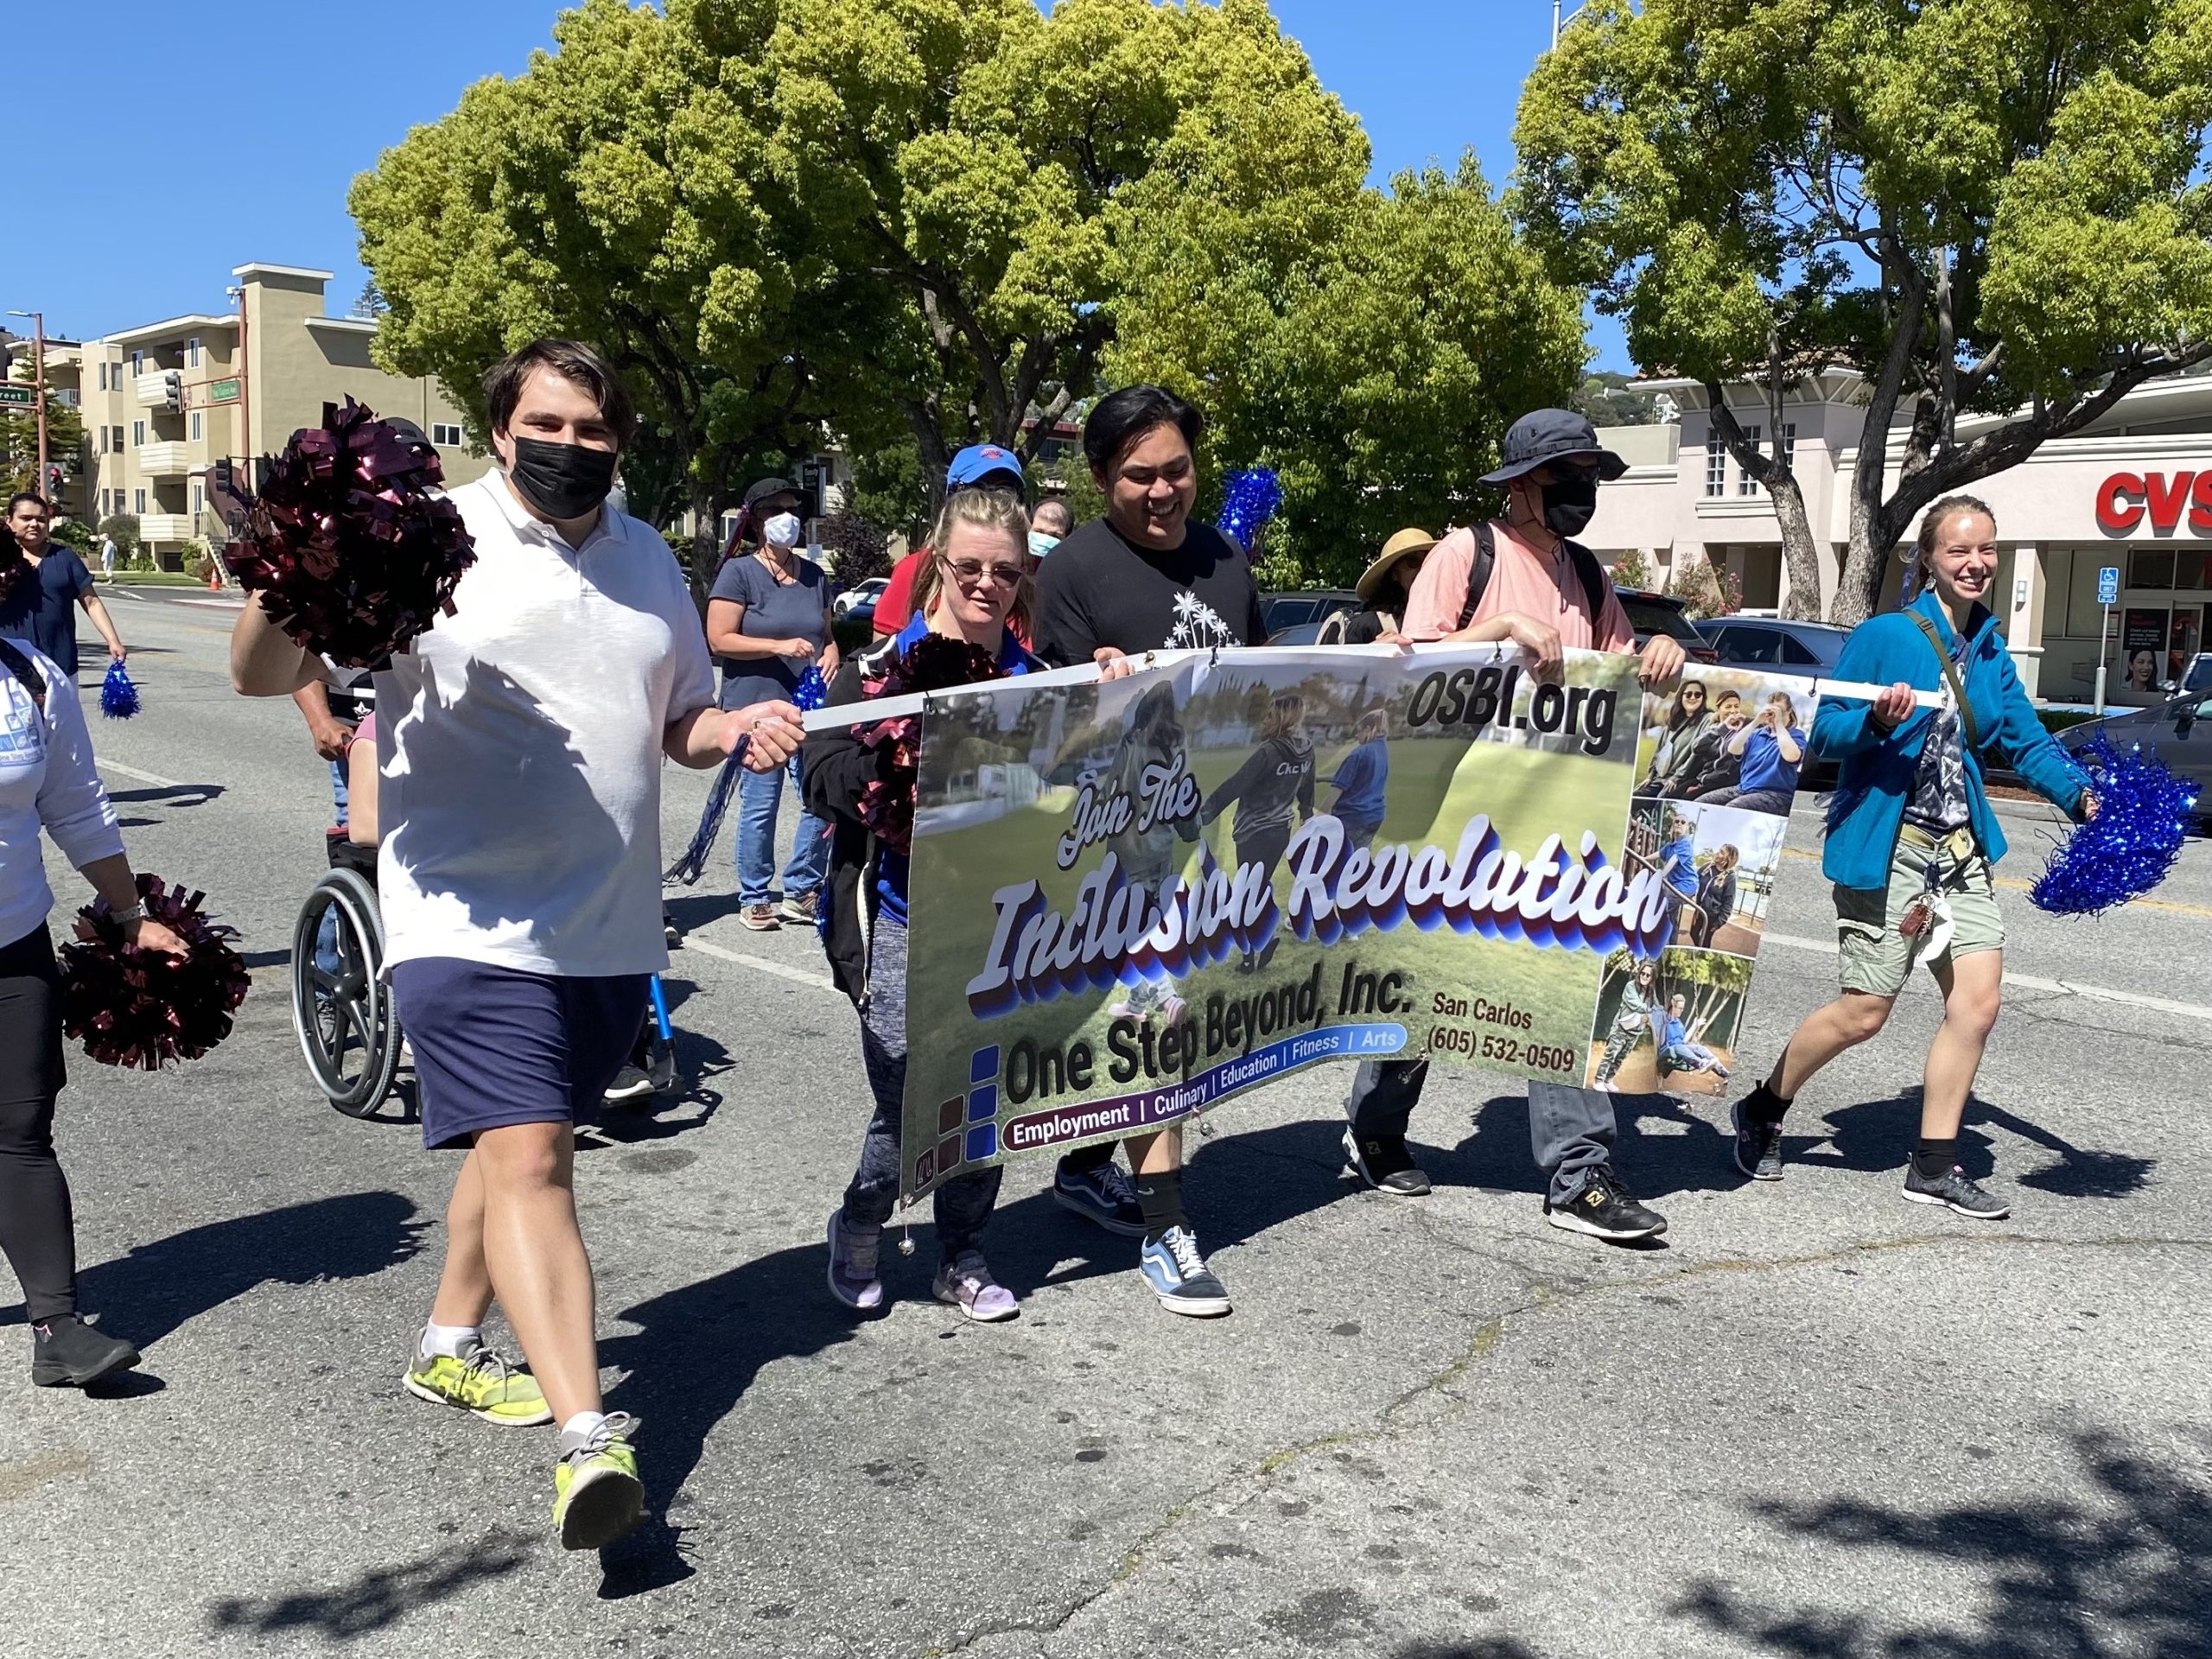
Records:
x=1867, y=809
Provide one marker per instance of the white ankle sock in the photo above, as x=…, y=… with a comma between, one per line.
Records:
x=583, y=1422
x=452, y=1340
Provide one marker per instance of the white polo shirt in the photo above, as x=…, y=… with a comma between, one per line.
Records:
x=519, y=748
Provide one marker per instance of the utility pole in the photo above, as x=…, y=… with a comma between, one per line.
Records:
x=38, y=379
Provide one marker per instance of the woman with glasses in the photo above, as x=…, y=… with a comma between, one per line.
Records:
x=768, y=619
x=974, y=588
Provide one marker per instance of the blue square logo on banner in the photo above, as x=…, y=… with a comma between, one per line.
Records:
x=983, y=1065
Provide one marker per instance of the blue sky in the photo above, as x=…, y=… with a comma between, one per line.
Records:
x=151, y=203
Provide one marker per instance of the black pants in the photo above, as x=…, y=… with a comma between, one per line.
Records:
x=36, y=1232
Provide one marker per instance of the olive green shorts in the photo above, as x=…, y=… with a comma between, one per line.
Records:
x=1877, y=958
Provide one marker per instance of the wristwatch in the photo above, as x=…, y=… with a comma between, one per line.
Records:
x=136, y=913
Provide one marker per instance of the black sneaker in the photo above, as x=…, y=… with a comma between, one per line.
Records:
x=1101, y=1194
x=1605, y=1209
x=1758, y=1136
x=1954, y=1192
x=1385, y=1164
x=68, y=1353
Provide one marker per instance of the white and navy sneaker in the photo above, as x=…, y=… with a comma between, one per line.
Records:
x=1102, y=1194
x=1179, y=1276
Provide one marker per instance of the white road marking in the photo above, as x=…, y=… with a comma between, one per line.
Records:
x=2032, y=982
x=797, y=976
x=103, y=765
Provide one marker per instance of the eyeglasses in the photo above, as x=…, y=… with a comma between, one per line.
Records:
x=971, y=572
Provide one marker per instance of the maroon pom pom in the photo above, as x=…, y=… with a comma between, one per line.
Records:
x=15, y=570
x=933, y=663
x=137, y=1008
x=351, y=553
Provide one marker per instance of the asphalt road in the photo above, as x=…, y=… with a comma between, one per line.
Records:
x=1816, y=1420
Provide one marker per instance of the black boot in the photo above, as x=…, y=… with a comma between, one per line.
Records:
x=66, y=1352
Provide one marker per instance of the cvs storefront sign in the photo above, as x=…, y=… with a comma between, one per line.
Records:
x=2126, y=499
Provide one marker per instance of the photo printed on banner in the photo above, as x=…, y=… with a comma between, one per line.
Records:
x=1726, y=737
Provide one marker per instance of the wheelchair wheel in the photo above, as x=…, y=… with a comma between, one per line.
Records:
x=342, y=1010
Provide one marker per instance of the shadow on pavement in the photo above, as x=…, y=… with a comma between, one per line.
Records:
x=695, y=1354
x=379, y=1598
x=693, y=911
x=159, y=1286
x=2128, y=1569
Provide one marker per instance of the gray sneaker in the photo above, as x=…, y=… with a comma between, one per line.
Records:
x=853, y=1252
x=799, y=909
x=1954, y=1192
x=965, y=1283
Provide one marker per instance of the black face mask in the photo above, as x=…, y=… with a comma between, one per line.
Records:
x=1569, y=505
x=561, y=480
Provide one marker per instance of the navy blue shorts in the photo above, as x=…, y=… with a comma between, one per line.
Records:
x=495, y=1046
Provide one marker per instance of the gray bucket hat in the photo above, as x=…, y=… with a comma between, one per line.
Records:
x=1548, y=435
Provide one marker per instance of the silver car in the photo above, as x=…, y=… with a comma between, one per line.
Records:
x=2180, y=730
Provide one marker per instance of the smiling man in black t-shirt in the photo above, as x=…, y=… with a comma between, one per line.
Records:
x=1145, y=578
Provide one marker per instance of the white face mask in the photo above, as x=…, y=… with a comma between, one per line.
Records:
x=782, y=530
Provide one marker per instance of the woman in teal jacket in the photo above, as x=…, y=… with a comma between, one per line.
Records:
x=1910, y=842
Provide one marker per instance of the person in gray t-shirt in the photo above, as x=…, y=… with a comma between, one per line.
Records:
x=768, y=619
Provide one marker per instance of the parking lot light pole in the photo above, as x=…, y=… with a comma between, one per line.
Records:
x=38, y=380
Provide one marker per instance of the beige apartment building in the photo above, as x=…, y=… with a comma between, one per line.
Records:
x=164, y=402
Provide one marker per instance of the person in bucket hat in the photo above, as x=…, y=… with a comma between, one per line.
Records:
x=1523, y=578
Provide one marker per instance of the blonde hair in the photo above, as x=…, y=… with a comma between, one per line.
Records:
x=994, y=510
x=1283, y=715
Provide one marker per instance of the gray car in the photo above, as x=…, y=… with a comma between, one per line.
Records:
x=1809, y=649
x=2181, y=732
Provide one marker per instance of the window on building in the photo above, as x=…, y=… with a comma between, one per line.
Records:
x=118, y=438
x=192, y=352
x=103, y=439
x=2189, y=570
x=137, y=433
x=196, y=418
x=138, y=364
x=138, y=501
x=445, y=437
x=1745, y=484
x=1789, y=446
x=2151, y=567
x=198, y=499
x=103, y=372
x=1716, y=466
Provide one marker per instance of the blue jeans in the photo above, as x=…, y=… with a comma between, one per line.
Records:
x=338, y=795
x=758, y=793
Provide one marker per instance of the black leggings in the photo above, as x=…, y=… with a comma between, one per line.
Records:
x=36, y=1232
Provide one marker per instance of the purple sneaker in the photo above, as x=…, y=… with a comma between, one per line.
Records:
x=966, y=1283
x=852, y=1263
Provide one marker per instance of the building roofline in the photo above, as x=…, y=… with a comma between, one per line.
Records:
x=148, y=331
x=261, y=267
x=355, y=325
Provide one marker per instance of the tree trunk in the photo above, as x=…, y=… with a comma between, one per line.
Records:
x=1800, y=553
x=706, y=537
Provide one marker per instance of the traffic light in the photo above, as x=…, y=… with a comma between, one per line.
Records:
x=172, y=389
x=221, y=482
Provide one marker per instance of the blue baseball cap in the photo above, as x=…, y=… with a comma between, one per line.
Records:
x=980, y=462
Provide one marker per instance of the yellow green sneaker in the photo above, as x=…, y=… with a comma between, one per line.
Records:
x=482, y=1381
x=597, y=1496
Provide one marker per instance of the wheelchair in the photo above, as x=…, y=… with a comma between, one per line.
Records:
x=342, y=1009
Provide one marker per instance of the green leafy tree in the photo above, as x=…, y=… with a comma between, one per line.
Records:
x=1603, y=399
x=1376, y=365
x=64, y=445
x=1986, y=207
x=1001, y=172
x=626, y=190
x=122, y=528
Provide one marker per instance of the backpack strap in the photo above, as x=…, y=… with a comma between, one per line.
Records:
x=1951, y=677
x=1586, y=567
x=1478, y=572
x=20, y=665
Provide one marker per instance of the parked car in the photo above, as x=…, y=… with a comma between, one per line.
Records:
x=1299, y=633
x=1809, y=649
x=864, y=593
x=1650, y=613
x=2180, y=730
x=1280, y=611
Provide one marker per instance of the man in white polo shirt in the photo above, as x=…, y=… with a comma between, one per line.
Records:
x=518, y=750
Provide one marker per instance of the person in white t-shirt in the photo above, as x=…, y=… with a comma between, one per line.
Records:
x=519, y=747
